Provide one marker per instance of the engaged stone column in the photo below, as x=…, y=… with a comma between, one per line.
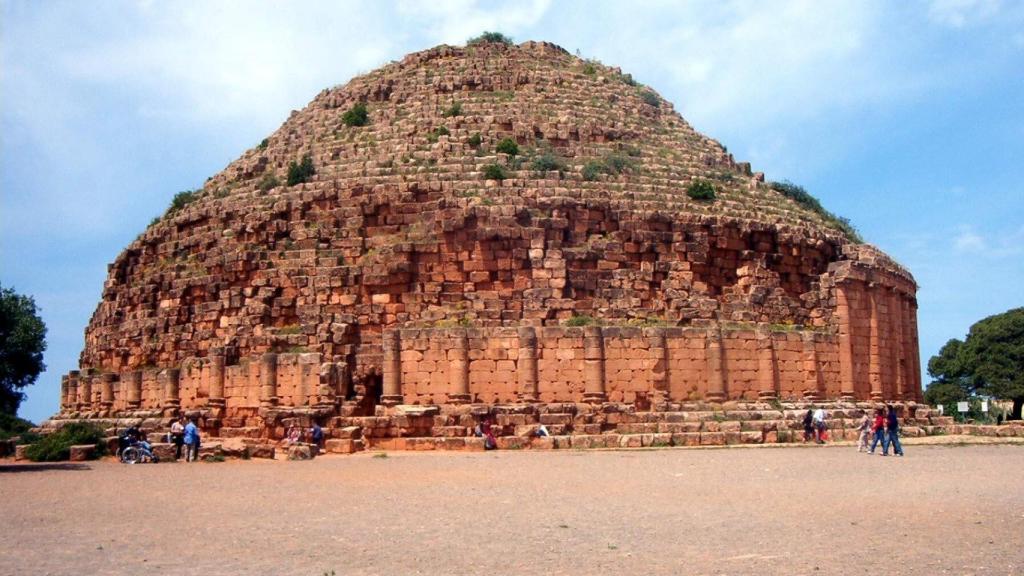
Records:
x=593, y=365
x=216, y=398
x=716, y=368
x=134, y=394
x=766, y=373
x=172, y=381
x=85, y=392
x=63, y=393
x=896, y=342
x=658, y=350
x=268, y=380
x=875, y=348
x=527, y=364
x=392, y=369
x=458, y=367
x=814, y=389
x=915, y=353
x=72, y=399
x=107, y=391
x=847, y=387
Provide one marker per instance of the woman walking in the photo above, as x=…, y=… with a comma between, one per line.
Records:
x=878, y=426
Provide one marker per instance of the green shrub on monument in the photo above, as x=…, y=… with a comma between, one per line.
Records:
x=56, y=447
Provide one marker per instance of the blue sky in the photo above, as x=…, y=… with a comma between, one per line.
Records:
x=906, y=117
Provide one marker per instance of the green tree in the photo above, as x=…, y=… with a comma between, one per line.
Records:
x=22, y=343
x=989, y=362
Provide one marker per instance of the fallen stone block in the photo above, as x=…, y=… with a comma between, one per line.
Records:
x=82, y=452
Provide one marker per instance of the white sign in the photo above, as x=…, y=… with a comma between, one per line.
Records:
x=962, y=407
x=984, y=405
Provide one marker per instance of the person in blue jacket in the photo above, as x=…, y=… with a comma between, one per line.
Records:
x=191, y=441
x=892, y=429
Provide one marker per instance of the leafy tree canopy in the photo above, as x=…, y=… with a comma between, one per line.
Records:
x=989, y=362
x=22, y=343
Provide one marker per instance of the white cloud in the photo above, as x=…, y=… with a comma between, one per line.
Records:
x=961, y=13
x=968, y=241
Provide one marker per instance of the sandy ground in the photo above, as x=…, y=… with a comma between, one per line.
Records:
x=794, y=510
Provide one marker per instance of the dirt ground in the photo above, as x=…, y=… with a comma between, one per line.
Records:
x=794, y=510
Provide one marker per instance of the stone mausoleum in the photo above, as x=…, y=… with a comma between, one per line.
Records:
x=507, y=231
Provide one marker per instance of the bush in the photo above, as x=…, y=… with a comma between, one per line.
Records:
x=300, y=172
x=701, y=190
x=263, y=144
x=546, y=162
x=802, y=197
x=269, y=182
x=495, y=172
x=507, y=146
x=593, y=169
x=495, y=37
x=589, y=69
x=581, y=320
x=454, y=110
x=475, y=140
x=356, y=115
x=650, y=98
x=57, y=446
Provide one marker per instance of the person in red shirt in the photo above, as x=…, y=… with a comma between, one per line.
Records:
x=878, y=426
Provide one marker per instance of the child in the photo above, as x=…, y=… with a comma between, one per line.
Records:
x=865, y=432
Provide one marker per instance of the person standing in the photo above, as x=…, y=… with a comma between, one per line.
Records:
x=808, y=425
x=191, y=441
x=878, y=426
x=865, y=433
x=178, y=436
x=819, y=426
x=892, y=436
x=316, y=435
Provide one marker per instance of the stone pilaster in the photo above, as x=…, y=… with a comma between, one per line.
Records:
x=392, y=377
x=458, y=370
x=875, y=347
x=716, y=367
x=767, y=375
x=216, y=397
x=814, y=383
x=847, y=385
x=107, y=392
x=896, y=342
x=658, y=350
x=134, y=392
x=85, y=391
x=268, y=380
x=593, y=365
x=527, y=365
x=172, y=393
x=73, y=382
x=63, y=394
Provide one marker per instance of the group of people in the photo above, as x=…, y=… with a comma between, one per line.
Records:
x=815, y=427
x=185, y=435
x=885, y=426
x=315, y=435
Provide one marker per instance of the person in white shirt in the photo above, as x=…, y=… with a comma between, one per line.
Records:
x=819, y=425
